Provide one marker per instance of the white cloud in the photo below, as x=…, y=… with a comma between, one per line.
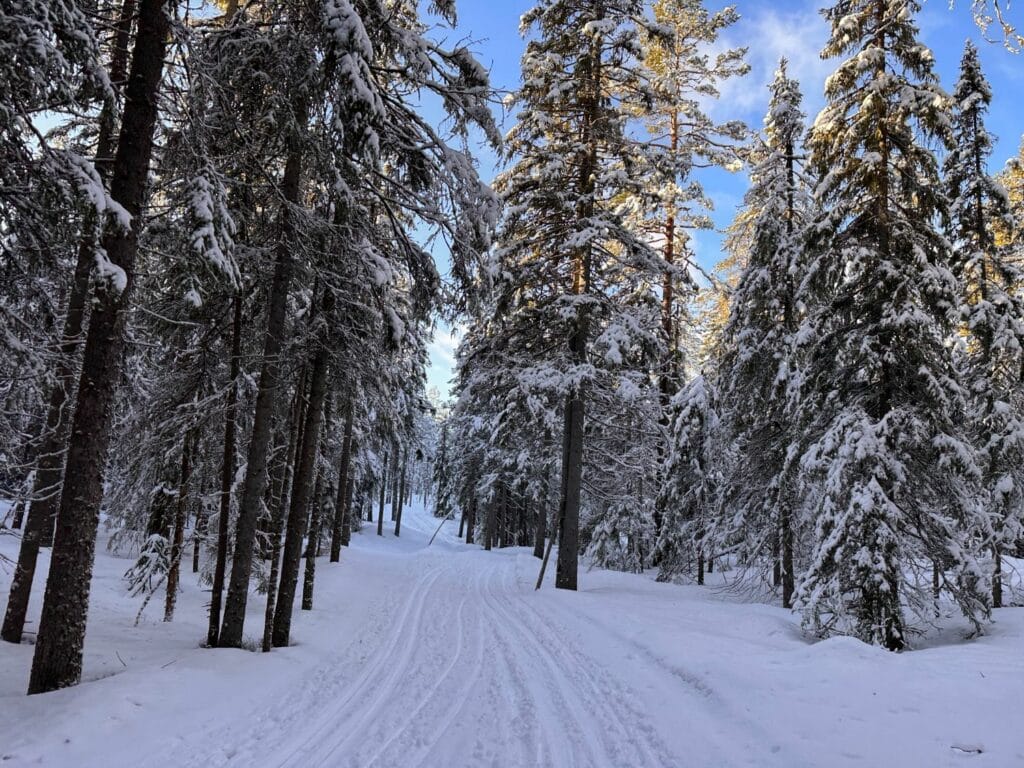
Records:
x=771, y=30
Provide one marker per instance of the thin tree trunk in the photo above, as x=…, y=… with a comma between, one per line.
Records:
x=346, y=520
x=227, y=476
x=997, y=577
x=462, y=524
x=283, y=474
x=401, y=494
x=200, y=531
x=540, y=529
x=315, y=521
x=48, y=477
x=788, y=578
x=394, y=483
x=266, y=398
x=299, y=506
x=471, y=521
x=383, y=493
x=57, y=662
x=490, y=524
x=180, y=516
x=341, y=516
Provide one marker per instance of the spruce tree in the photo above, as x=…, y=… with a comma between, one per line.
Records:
x=992, y=312
x=886, y=453
x=568, y=258
x=693, y=482
x=754, y=372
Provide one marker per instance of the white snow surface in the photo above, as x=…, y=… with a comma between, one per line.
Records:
x=445, y=656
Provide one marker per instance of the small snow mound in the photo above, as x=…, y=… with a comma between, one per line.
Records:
x=844, y=645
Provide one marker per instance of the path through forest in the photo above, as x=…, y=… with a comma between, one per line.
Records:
x=445, y=656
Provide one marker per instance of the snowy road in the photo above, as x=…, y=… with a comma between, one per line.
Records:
x=445, y=657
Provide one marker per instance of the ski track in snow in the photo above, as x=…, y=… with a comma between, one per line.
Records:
x=446, y=657
x=464, y=655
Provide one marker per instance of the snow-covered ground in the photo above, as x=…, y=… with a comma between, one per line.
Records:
x=445, y=656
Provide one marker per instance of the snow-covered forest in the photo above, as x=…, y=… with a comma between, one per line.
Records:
x=762, y=509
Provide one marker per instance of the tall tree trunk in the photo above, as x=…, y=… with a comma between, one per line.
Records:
x=180, y=517
x=383, y=493
x=401, y=494
x=462, y=523
x=788, y=577
x=315, y=520
x=57, y=662
x=997, y=576
x=471, y=521
x=284, y=472
x=299, y=506
x=394, y=482
x=48, y=477
x=668, y=382
x=266, y=398
x=346, y=520
x=490, y=524
x=568, y=509
x=572, y=464
x=227, y=475
x=201, y=531
x=540, y=530
x=341, y=515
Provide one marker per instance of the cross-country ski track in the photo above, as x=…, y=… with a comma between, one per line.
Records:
x=445, y=656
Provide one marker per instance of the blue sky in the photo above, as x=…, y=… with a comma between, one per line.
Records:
x=770, y=29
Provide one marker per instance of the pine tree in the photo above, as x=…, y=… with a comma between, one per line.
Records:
x=47, y=478
x=567, y=254
x=693, y=482
x=890, y=465
x=685, y=77
x=992, y=312
x=754, y=372
x=1012, y=180
x=355, y=134
x=58, y=654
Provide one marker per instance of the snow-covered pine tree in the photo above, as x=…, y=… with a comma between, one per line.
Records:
x=756, y=349
x=356, y=135
x=1012, y=179
x=992, y=312
x=25, y=253
x=888, y=463
x=57, y=662
x=686, y=76
x=568, y=257
x=693, y=482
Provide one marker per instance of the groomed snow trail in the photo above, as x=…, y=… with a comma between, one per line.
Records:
x=464, y=672
x=445, y=657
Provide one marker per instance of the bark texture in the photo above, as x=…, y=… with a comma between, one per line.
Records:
x=57, y=662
